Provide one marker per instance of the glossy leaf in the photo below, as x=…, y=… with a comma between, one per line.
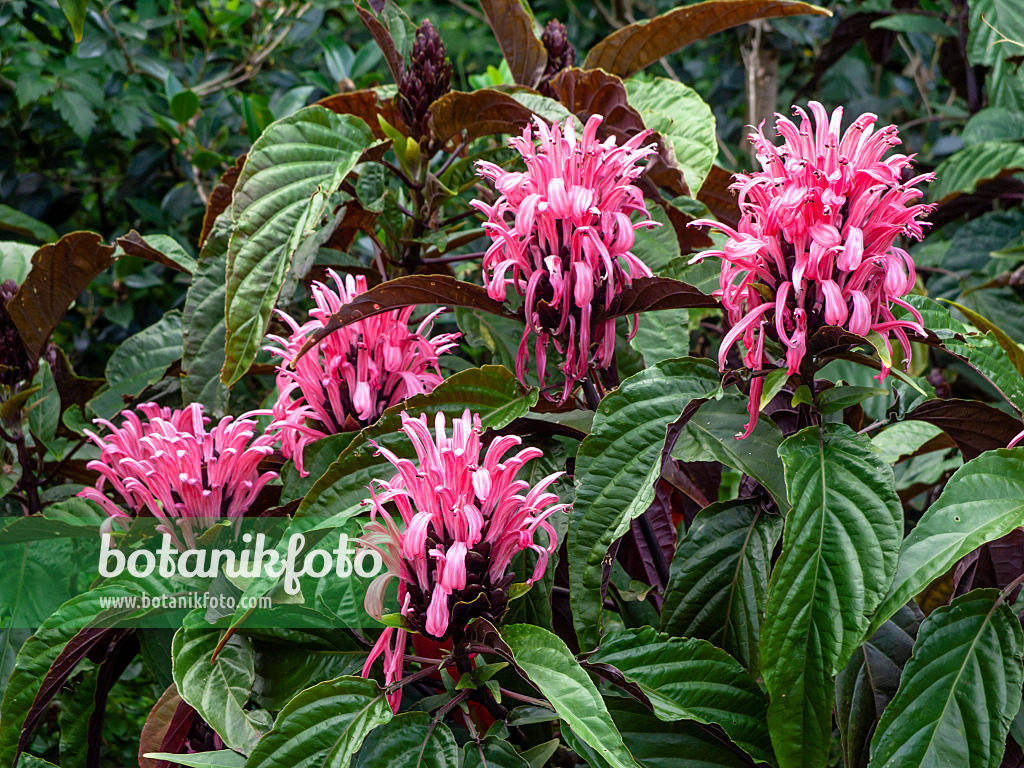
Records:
x=13, y=220
x=59, y=273
x=639, y=45
x=493, y=753
x=284, y=190
x=838, y=557
x=691, y=679
x=962, y=172
x=974, y=426
x=959, y=691
x=616, y=469
x=222, y=758
x=547, y=662
x=409, y=741
x=514, y=26
x=160, y=249
x=983, y=501
x=324, y=726
x=983, y=324
x=869, y=682
x=719, y=578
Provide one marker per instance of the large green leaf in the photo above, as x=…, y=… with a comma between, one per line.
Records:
x=15, y=261
x=838, y=556
x=962, y=172
x=409, y=741
x=203, y=329
x=870, y=680
x=983, y=501
x=282, y=194
x=663, y=335
x=711, y=435
x=218, y=690
x=691, y=679
x=222, y=758
x=959, y=691
x=139, y=362
x=719, y=578
x=493, y=753
x=616, y=469
x=551, y=667
x=685, y=121
x=324, y=726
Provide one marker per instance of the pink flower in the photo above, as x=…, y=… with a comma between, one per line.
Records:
x=562, y=234
x=175, y=469
x=815, y=243
x=462, y=522
x=354, y=374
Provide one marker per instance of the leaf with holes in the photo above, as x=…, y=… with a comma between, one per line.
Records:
x=691, y=679
x=959, y=691
x=282, y=194
x=616, y=469
x=719, y=578
x=838, y=557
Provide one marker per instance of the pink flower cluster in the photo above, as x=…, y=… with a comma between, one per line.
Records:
x=172, y=467
x=562, y=236
x=462, y=522
x=354, y=374
x=815, y=245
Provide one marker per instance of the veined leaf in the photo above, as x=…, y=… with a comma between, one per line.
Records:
x=959, y=691
x=284, y=190
x=963, y=171
x=983, y=501
x=719, y=578
x=616, y=468
x=408, y=740
x=838, y=556
x=514, y=27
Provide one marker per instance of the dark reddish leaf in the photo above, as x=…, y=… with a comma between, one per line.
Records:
x=649, y=294
x=355, y=220
x=691, y=239
x=514, y=27
x=119, y=655
x=995, y=564
x=73, y=389
x=654, y=529
x=88, y=642
x=481, y=113
x=616, y=678
x=176, y=735
x=974, y=426
x=366, y=104
x=630, y=49
x=60, y=271
x=717, y=196
x=384, y=40
x=134, y=245
x=220, y=198
x=158, y=722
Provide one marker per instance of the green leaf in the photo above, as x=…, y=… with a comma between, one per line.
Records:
x=657, y=246
x=15, y=258
x=994, y=124
x=690, y=679
x=838, y=557
x=683, y=119
x=76, y=111
x=838, y=398
x=223, y=758
x=75, y=10
x=983, y=324
x=914, y=22
x=959, y=691
x=711, y=435
x=869, y=682
x=324, y=726
x=13, y=220
x=616, y=469
x=719, y=578
x=551, y=667
x=184, y=106
x=663, y=335
x=963, y=171
x=218, y=690
x=983, y=501
x=495, y=753
x=409, y=741
x=282, y=194
x=140, y=361
x=903, y=439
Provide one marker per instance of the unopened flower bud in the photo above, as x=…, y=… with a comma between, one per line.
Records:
x=426, y=79
x=15, y=365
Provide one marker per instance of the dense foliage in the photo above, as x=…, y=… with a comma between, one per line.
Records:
x=681, y=442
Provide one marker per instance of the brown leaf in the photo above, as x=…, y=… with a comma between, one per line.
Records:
x=134, y=245
x=355, y=220
x=384, y=40
x=481, y=113
x=60, y=271
x=717, y=196
x=220, y=198
x=649, y=294
x=157, y=724
x=514, y=27
x=691, y=239
x=366, y=104
x=405, y=292
x=73, y=389
x=974, y=426
x=995, y=564
x=630, y=49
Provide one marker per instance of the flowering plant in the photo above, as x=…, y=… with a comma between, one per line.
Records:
x=675, y=540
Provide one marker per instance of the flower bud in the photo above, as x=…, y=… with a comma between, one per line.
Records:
x=426, y=79
x=15, y=365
